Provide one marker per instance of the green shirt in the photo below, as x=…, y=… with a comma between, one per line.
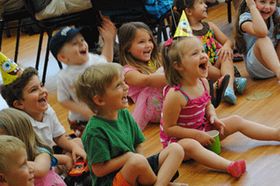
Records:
x=104, y=140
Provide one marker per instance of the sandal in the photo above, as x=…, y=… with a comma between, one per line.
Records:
x=237, y=57
x=220, y=87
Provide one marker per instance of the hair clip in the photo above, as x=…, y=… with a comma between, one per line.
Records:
x=168, y=42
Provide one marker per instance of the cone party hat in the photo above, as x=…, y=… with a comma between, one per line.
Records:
x=9, y=69
x=183, y=28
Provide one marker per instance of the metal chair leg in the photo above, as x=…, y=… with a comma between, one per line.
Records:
x=46, y=59
x=39, y=49
x=1, y=32
x=17, y=40
x=229, y=10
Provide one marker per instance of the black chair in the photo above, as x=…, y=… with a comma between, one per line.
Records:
x=51, y=24
x=228, y=2
x=123, y=11
x=13, y=16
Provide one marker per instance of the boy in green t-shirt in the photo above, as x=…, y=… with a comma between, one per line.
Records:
x=112, y=138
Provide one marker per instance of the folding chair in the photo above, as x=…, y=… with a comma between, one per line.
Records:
x=123, y=11
x=49, y=25
x=7, y=17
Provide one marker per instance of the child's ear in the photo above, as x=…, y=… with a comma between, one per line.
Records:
x=188, y=11
x=98, y=100
x=61, y=57
x=177, y=66
x=17, y=104
x=2, y=179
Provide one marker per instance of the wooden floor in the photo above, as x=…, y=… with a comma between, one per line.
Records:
x=263, y=159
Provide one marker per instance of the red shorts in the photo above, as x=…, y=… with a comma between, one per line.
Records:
x=119, y=180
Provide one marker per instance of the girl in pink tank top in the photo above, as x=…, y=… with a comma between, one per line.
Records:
x=188, y=114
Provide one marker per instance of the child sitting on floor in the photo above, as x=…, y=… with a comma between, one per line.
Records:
x=217, y=45
x=69, y=47
x=27, y=94
x=16, y=123
x=14, y=169
x=113, y=140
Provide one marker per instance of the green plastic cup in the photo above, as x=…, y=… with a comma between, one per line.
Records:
x=216, y=145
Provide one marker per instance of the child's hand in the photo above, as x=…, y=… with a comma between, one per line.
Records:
x=107, y=30
x=78, y=152
x=203, y=138
x=250, y=3
x=217, y=123
x=68, y=162
x=225, y=52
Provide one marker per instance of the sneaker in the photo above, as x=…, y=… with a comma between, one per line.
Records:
x=237, y=168
x=240, y=84
x=229, y=96
x=236, y=71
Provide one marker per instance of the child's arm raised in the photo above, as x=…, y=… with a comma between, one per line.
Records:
x=77, y=108
x=257, y=26
x=137, y=78
x=172, y=105
x=41, y=164
x=226, y=50
x=108, y=33
x=102, y=169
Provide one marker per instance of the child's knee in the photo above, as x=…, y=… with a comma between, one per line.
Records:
x=176, y=149
x=138, y=162
x=189, y=144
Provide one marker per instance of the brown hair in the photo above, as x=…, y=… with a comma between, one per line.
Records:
x=14, y=90
x=17, y=123
x=126, y=35
x=239, y=40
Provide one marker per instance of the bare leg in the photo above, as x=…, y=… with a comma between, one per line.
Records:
x=137, y=170
x=267, y=55
x=227, y=68
x=278, y=50
x=194, y=150
x=250, y=129
x=170, y=160
x=214, y=73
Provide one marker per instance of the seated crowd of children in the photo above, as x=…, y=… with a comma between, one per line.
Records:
x=170, y=87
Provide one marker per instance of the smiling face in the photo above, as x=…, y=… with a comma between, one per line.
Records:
x=199, y=10
x=34, y=99
x=19, y=173
x=142, y=46
x=74, y=52
x=116, y=93
x=194, y=60
x=266, y=7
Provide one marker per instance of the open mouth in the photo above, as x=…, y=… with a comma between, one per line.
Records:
x=42, y=100
x=125, y=99
x=203, y=66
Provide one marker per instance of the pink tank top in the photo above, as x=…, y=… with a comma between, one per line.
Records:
x=192, y=114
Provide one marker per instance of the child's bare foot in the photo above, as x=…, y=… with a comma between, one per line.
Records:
x=237, y=168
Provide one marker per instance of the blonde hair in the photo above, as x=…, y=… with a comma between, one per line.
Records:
x=172, y=54
x=94, y=81
x=8, y=146
x=17, y=123
x=126, y=35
